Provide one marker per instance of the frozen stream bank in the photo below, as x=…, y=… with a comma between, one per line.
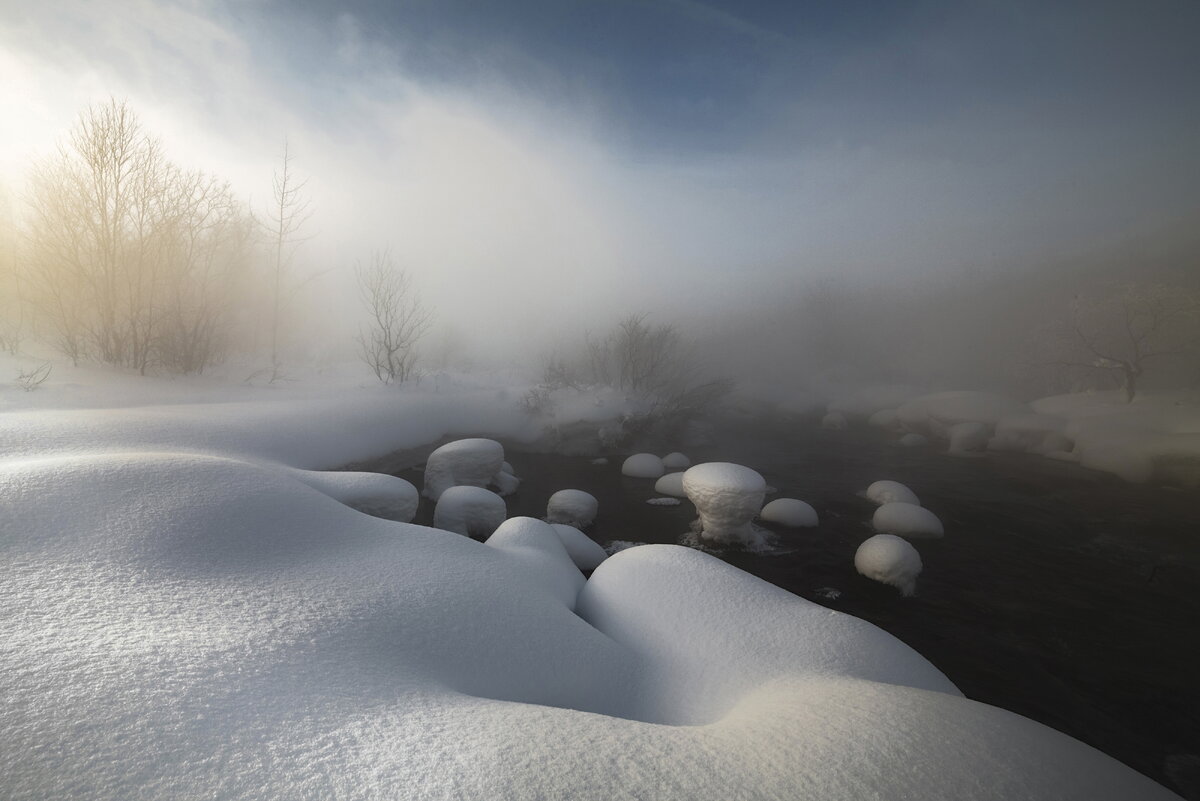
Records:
x=1060, y=593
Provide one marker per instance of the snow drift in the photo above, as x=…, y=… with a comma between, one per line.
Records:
x=891, y=560
x=184, y=624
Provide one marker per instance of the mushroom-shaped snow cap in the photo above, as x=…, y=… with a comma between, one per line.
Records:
x=789, y=512
x=572, y=507
x=727, y=496
x=464, y=462
x=643, y=465
x=470, y=511
x=891, y=560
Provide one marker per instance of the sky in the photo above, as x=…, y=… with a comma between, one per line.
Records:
x=543, y=165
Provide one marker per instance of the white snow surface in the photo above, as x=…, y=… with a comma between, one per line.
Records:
x=834, y=421
x=671, y=484
x=586, y=553
x=538, y=548
x=376, y=494
x=971, y=436
x=475, y=462
x=789, y=512
x=642, y=465
x=470, y=511
x=885, y=419
x=934, y=415
x=887, y=491
x=663, y=501
x=1156, y=438
x=907, y=520
x=891, y=560
x=572, y=507
x=727, y=496
x=186, y=615
x=676, y=461
x=1032, y=433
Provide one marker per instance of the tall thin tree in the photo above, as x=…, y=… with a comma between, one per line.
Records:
x=289, y=213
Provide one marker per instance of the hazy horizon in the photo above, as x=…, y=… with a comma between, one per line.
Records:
x=545, y=167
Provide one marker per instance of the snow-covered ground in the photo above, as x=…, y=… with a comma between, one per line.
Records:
x=1154, y=438
x=186, y=615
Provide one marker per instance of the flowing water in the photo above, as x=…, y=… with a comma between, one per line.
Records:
x=1059, y=593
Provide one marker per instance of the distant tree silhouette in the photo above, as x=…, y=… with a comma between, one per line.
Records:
x=1122, y=331
x=396, y=319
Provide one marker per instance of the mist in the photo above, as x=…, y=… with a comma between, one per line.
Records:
x=599, y=398
x=540, y=182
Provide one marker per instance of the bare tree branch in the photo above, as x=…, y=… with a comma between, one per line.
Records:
x=396, y=319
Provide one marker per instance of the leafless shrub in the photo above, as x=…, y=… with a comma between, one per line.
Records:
x=1119, y=333
x=396, y=319
x=653, y=362
x=536, y=401
x=29, y=380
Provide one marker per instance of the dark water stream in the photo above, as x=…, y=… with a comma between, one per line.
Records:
x=1059, y=593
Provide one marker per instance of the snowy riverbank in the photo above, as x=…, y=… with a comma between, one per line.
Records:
x=184, y=617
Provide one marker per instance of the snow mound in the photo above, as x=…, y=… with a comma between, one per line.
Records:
x=1156, y=438
x=643, y=465
x=663, y=501
x=676, y=461
x=583, y=550
x=885, y=419
x=789, y=512
x=573, y=507
x=934, y=415
x=866, y=401
x=891, y=560
x=506, y=483
x=197, y=626
x=969, y=437
x=671, y=484
x=469, y=463
x=376, y=494
x=538, y=547
x=1031, y=433
x=834, y=421
x=507, y=468
x=727, y=497
x=470, y=511
x=912, y=440
x=885, y=491
x=907, y=520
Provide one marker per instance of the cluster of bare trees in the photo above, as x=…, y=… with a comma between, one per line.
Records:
x=654, y=362
x=638, y=356
x=12, y=307
x=131, y=260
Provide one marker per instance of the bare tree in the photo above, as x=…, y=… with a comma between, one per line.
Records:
x=288, y=215
x=118, y=235
x=396, y=319
x=82, y=231
x=12, y=305
x=1121, y=332
x=204, y=259
x=31, y=379
x=645, y=357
